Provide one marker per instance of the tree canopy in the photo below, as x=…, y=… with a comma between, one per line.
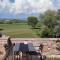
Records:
x=32, y=21
x=49, y=24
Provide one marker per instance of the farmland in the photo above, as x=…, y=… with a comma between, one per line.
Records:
x=20, y=30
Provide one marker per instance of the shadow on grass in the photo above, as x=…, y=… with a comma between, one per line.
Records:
x=1, y=29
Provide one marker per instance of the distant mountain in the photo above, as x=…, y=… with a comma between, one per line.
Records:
x=12, y=1
x=20, y=16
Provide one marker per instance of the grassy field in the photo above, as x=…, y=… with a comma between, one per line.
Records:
x=21, y=30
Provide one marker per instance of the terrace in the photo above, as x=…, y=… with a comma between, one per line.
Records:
x=19, y=51
x=26, y=48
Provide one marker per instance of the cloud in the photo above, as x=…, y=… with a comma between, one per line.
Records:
x=27, y=7
x=32, y=6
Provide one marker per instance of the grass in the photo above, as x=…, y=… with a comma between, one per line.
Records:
x=15, y=26
x=21, y=30
x=53, y=59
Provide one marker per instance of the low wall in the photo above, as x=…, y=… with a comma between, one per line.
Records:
x=49, y=43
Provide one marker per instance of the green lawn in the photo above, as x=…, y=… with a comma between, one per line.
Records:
x=15, y=26
x=21, y=30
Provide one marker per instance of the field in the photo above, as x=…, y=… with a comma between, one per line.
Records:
x=19, y=30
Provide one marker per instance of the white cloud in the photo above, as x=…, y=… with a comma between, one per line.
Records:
x=35, y=6
x=26, y=6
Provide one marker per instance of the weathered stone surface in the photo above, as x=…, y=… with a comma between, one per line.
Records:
x=49, y=44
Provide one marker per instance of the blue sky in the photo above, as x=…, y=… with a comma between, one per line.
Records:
x=23, y=8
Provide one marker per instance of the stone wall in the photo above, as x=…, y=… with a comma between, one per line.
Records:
x=49, y=43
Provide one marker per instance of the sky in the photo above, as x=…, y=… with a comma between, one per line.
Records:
x=24, y=8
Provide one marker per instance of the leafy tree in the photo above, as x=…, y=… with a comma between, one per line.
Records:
x=32, y=21
x=50, y=24
x=58, y=14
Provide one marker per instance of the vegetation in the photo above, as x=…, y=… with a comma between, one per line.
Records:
x=11, y=21
x=49, y=25
x=19, y=30
x=53, y=59
x=32, y=21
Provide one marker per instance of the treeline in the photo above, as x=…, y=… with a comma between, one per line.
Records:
x=48, y=25
x=11, y=21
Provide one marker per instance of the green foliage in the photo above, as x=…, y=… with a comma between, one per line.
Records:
x=49, y=25
x=32, y=21
x=11, y=21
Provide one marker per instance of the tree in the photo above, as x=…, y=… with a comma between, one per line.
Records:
x=49, y=24
x=32, y=21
